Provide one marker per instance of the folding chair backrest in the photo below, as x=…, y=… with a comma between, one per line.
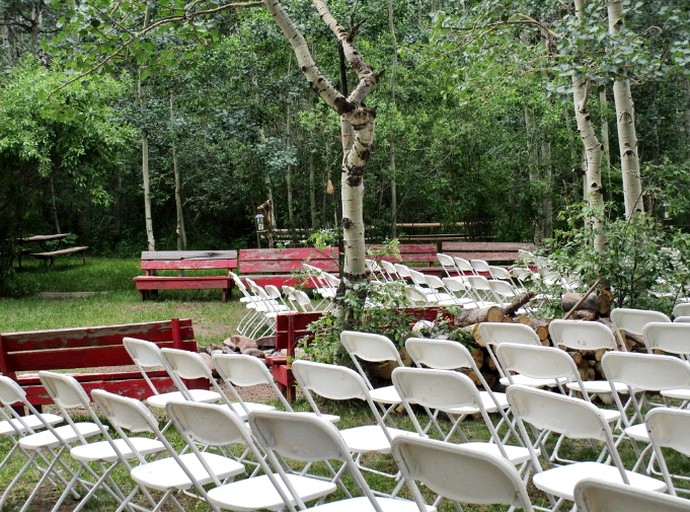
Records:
x=458, y=473
x=581, y=335
x=537, y=362
x=436, y=389
x=448, y=264
x=673, y=338
x=11, y=392
x=64, y=389
x=546, y=410
x=669, y=428
x=370, y=347
x=464, y=265
x=329, y=381
x=500, y=273
x=125, y=413
x=633, y=320
x=646, y=372
x=144, y=353
x=440, y=354
x=186, y=364
x=495, y=333
x=599, y=496
x=208, y=424
x=480, y=266
x=682, y=309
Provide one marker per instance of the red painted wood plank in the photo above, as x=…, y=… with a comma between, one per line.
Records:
x=486, y=256
x=183, y=282
x=225, y=264
x=486, y=246
x=299, y=254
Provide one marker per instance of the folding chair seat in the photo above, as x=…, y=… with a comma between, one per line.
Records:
x=668, y=338
x=583, y=335
x=15, y=426
x=213, y=427
x=243, y=371
x=373, y=348
x=455, y=395
x=303, y=438
x=185, y=365
x=573, y=418
x=496, y=333
x=668, y=429
x=106, y=454
x=334, y=382
x=633, y=321
x=599, y=496
x=166, y=475
x=458, y=473
x=46, y=448
x=147, y=357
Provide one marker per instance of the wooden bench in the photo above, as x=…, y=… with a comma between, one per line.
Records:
x=94, y=355
x=283, y=266
x=153, y=262
x=495, y=253
x=49, y=256
x=420, y=257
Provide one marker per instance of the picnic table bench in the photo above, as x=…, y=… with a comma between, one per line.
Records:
x=283, y=266
x=95, y=356
x=154, y=262
x=491, y=252
x=421, y=257
x=45, y=253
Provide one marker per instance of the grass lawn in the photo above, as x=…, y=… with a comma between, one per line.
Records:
x=102, y=292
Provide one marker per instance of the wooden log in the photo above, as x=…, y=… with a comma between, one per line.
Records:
x=477, y=315
x=478, y=356
x=588, y=303
x=512, y=308
x=584, y=314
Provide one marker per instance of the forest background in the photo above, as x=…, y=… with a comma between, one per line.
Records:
x=475, y=123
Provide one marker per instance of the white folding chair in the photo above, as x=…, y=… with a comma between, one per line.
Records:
x=167, y=475
x=576, y=419
x=373, y=348
x=105, y=455
x=494, y=334
x=464, y=266
x=481, y=291
x=252, y=302
x=217, y=428
x=244, y=371
x=583, y=335
x=147, y=358
x=440, y=294
x=459, y=473
x=481, y=267
x=668, y=428
x=304, y=438
x=451, y=355
x=389, y=270
x=669, y=338
x=334, y=382
x=599, y=496
x=16, y=426
x=455, y=395
x=185, y=365
x=629, y=320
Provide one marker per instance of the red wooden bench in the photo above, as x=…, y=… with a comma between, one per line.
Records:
x=420, y=257
x=94, y=355
x=491, y=252
x=285, y=266
x=165, y=270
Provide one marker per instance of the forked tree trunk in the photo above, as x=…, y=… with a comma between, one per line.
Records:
x=356, y=121
x=625, y=122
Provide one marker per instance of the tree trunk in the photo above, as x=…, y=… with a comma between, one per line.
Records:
x=148, y=219
x=180, y=229
x=625, y=122
x=393, y=170
x=604, y=105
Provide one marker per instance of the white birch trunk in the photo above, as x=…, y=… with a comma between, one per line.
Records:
x=180, y=231
x=625, y=122
x=357, y=127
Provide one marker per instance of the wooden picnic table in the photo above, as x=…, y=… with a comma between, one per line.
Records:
x=46, y=253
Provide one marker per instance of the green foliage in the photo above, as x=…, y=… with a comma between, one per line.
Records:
x=644, y=264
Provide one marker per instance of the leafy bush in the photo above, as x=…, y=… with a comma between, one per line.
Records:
x=643, y=263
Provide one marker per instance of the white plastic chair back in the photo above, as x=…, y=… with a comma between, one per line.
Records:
x=480, y=266
x=633, y=321
x=495, y=333
x=125, y=413
x=598, y=496
x=503, y=291
x=681, y=320
x=459, y=474
x=440, y=354
x=682, y=309
x=464, y=265
x=403, y=271
x=436, y=389
x=500, y=273
x=448, y=264
x=329, y=381
x=390, y=270
x=668, y=428
x=673, y=338
x=646, y=372
x=537, y=362
x=370, y=347
x=581, y=335
x=144, y=353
